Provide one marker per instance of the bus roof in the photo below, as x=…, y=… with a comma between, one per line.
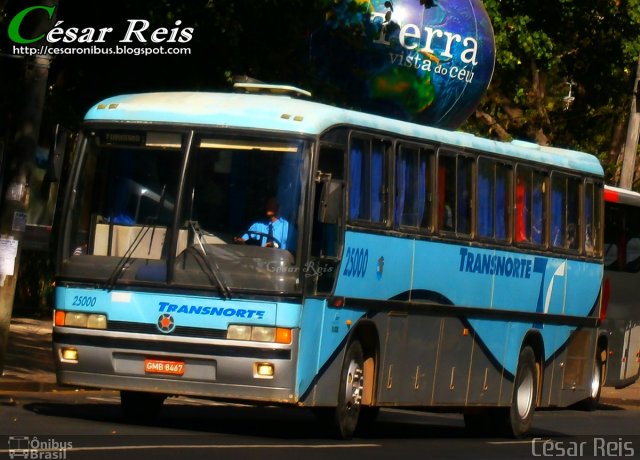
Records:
x=287, y=114
x=621, y=195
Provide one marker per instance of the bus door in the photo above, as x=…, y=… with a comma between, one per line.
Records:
x=327, y=225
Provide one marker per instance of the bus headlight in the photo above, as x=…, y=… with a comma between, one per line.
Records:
x=239, y=332
x=263, y=334
x=95, y=321
x=259, y=333
x=79, y=319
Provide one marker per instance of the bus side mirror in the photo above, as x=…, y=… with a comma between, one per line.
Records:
x=330, y=208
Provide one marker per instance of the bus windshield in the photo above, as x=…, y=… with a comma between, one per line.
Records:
x=226, y=219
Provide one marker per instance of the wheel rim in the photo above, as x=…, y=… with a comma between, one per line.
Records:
x=595, y=381
x=525, y=395
x=354, y=386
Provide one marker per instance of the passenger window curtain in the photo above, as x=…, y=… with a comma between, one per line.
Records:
x=463, y=209
x=557, y=213
x=401, y=168
x=502, y=200
x=422, y=189
x=355, y=176
x=485, y=200
x=537, y=212
x=377, y=182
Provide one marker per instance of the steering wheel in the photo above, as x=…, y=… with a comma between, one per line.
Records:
x=275, y=241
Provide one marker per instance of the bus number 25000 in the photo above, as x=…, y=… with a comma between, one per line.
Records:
x=84, y=301
x=355, y=262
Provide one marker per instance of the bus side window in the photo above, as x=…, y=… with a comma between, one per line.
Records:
x=558, y=201
x=573, y=214
x=367, y=185
x=493, y=199
x=591, y=226
x=412, y=181
x=523, y=188
x=455, y=193
x=446, y=193
x=538, y=221
x=486, y=191
x=465, y=194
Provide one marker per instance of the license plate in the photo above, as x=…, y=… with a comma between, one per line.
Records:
x=157, y=366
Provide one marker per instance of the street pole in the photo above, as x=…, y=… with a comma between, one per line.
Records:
x=631, y=143
x=15, y=196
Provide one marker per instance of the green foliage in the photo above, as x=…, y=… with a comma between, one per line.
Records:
x=543, y=46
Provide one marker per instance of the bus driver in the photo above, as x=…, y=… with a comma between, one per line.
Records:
x=272, y=233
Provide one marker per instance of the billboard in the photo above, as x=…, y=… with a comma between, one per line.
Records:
x=426, y=61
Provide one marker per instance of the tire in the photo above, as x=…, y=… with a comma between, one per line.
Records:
x=595, y=384
x=350, y=392
x=525, y=391
x=140, y=407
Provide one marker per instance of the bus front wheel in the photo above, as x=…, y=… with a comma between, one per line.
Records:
x=350, y=392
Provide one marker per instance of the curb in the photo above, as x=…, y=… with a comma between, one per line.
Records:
x=30, y=386
x=620, y=402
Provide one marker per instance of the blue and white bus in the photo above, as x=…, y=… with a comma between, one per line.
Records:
x=419, y=267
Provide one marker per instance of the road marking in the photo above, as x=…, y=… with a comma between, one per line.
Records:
x=101, y=399
x=497, y=443
x=206, y=446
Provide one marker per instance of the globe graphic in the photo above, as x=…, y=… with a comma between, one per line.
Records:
x=426, y=61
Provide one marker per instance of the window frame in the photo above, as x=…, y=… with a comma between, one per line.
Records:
x=385, y=213
x=428, y=151
x=446, y=151
x=508, y=206
x=578, y=249
x=533, y=173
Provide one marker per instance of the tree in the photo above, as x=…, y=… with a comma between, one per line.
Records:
x=542, y=48
x=16, y=172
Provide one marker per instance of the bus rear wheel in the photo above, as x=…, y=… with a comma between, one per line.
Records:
x=525, y=390
x=595, y=383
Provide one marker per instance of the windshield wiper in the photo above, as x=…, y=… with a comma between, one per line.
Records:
x=150, y=224
x=210, y=262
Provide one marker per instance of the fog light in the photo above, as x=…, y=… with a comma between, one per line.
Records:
x=263, y=370
x=69, y=355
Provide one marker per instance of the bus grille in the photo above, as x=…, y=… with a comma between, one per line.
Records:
x=183, y=331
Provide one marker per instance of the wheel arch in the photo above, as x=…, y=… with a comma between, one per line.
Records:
x=534, y=339
x=366, y=332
